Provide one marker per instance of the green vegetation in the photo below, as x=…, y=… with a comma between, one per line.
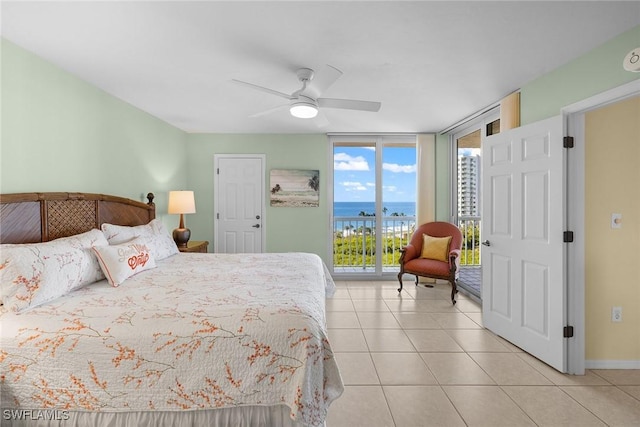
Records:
x=470, y=256
x=470, y=245
x=350, y=250
x=471, y=236
x=354, y=247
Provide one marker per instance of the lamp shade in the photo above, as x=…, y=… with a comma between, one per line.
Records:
x=181, y=202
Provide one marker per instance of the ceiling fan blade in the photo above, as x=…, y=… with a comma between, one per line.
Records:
x=262, y=89
x=269, y=111
x=323, y=80
x=321, y=120
x=349, y=104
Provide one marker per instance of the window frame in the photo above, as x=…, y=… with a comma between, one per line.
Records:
x=379, y=141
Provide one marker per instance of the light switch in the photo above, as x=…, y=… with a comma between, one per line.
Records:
x=616, y=220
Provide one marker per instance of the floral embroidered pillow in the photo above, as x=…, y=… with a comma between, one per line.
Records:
x=155, y=233
x=119, y=262
x=35, y=273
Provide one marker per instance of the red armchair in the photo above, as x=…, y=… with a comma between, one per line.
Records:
x=412, y=263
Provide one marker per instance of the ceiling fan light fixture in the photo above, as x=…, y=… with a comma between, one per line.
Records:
x=305, y=102
x=303, y=109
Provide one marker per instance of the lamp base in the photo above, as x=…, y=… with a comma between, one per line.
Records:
x=181, y=236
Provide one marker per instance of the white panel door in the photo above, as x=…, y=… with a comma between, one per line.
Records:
x=239, y=204
x=523, y=271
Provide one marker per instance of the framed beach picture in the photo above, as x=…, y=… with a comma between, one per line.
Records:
x=295, y=188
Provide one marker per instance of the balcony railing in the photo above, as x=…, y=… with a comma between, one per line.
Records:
x=354, y=241
x=470, y=228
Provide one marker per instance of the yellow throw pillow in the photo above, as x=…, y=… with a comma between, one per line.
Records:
x=435, y=247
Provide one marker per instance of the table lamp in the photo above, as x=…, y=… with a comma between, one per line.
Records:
x=181, y=202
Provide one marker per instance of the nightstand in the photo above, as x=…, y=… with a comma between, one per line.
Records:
x=196, y=246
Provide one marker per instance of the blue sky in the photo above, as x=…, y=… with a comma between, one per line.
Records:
x=468, y=152
x=354, y=174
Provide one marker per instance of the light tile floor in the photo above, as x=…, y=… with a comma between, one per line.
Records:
x=416, y=360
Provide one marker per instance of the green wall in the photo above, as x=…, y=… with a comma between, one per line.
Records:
x=287, y=229
x=60, y=133
x=592, y=73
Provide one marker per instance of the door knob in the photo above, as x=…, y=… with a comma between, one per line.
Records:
x=257, y=216
x=486, y=243
x=256, y=226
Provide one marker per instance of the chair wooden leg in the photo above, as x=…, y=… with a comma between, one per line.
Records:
x=400, y=280
x=454, y=291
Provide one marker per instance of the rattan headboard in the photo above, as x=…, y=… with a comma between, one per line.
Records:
x=40, y=217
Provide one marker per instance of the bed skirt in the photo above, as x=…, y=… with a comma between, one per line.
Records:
x=246, y=416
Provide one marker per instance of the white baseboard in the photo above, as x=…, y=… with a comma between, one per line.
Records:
x=612, y=364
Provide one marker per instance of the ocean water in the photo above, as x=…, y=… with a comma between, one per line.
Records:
x=354, y=208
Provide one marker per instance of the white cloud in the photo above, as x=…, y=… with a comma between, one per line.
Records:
x=396, y=168
x=345, y=162
x=371, y=184
x=469, y=152
x=353, y=186
x=390, y=188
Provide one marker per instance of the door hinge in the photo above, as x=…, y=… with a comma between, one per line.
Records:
x=567, y=142
x=218, y=171
x=568, y=332
x=218, y=216
x=568, y=236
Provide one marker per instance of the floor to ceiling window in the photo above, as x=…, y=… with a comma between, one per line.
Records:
x=374, y=202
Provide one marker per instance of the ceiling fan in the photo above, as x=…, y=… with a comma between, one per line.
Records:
x=306, y=102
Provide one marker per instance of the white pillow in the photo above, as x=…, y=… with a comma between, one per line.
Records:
x=155, y=233
x=164, y=244
x=119, y=262
x=34, y=273
x=116, y=234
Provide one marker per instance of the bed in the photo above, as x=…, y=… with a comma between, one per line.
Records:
x=184, y=340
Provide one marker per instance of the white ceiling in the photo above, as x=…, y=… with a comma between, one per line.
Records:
x=429, y=63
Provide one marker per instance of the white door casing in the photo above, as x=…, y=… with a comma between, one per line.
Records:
x=523, y=277
x=239, y=203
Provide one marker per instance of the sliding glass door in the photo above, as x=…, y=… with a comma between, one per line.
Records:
x=374, y=195
x=467, y=206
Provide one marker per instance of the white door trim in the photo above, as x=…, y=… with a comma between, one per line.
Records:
x=573, y=119
x=216, y=192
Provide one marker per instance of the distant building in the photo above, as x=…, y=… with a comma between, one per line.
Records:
x=469, y=185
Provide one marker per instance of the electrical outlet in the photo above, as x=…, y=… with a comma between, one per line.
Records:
x=616, y=314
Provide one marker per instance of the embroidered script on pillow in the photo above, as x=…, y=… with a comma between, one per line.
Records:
x=122, y=261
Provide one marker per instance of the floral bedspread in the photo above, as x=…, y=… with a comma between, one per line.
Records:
x=200, y=331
